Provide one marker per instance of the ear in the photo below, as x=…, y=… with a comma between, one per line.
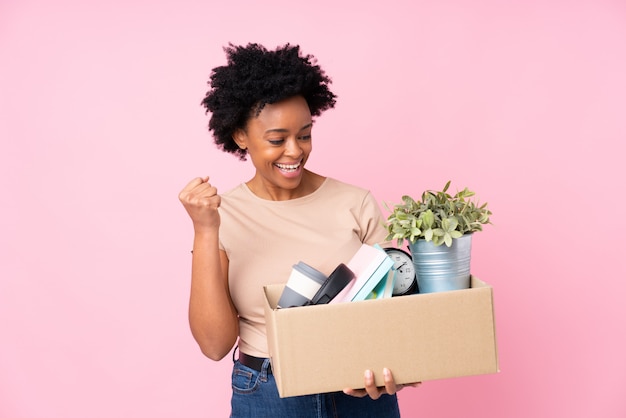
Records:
x=240, y=137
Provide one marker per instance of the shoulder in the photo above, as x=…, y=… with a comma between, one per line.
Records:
x=236, y=199
x=236, y=193
x=357, y=195
x=343, y=194
x=335, y=185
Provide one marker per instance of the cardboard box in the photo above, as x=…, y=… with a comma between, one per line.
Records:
x=326, y=348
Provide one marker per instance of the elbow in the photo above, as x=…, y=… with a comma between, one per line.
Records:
x=213, y=353
x=215, y=344
x=215, y=349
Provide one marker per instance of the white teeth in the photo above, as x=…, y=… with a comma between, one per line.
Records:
x=290, y=167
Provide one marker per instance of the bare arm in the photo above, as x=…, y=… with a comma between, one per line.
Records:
x=212, y=315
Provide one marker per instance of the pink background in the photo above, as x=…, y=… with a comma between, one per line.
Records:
x=522, y=101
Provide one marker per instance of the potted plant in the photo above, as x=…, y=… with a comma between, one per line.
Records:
x=439, y=230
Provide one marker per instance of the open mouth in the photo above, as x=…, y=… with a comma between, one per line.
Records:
x=288, y=168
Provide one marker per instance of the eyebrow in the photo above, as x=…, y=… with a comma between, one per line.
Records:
x=285, y=130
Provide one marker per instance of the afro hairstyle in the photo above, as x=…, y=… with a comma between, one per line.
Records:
x=254, y=77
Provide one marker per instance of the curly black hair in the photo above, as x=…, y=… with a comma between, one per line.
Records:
x=255, y=77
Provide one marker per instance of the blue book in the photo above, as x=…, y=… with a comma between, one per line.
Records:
x=384, y=289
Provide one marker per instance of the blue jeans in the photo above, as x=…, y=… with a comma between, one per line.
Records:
x=255, y=395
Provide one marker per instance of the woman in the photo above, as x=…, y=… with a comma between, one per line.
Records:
x=262, y=105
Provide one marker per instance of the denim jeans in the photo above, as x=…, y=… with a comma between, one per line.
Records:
x=255, y=395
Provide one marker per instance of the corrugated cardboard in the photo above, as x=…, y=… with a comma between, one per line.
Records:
x=326, y=348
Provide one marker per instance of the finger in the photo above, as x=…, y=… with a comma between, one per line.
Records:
x=358, y=393
x=203, y=190
x=195, y=183
x=390, y=383
x=204, y=201
x=370, y=386
x=198, y=194
x=215, y=201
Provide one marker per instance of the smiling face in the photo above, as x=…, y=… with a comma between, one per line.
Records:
x=278, y=142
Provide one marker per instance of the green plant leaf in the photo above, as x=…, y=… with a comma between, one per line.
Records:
x=449, y=224
x=456, y=234
x=438, y=216
x=427, y=218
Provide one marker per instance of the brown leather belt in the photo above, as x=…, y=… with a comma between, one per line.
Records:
x=255, y=363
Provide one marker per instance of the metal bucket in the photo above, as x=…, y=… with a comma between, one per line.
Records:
x=442, y=268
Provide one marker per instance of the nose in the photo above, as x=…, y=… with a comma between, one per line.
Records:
x=293, y=148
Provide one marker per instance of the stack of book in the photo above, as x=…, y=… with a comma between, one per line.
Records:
x=374, y=275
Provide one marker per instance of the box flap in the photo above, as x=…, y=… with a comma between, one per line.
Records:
x=272, y=295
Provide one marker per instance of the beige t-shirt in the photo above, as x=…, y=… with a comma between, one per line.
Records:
x=264, y=239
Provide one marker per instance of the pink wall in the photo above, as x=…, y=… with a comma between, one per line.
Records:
x=523, y=101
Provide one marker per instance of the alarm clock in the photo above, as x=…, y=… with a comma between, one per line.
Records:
x=405, y=279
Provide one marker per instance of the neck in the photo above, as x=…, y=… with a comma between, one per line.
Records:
x=309, y=183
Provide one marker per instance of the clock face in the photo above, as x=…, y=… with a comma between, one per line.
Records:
x=404, y=280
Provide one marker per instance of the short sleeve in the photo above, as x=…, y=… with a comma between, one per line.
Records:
x=372, y=222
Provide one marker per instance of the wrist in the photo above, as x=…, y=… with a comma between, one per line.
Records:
x=205, y=239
